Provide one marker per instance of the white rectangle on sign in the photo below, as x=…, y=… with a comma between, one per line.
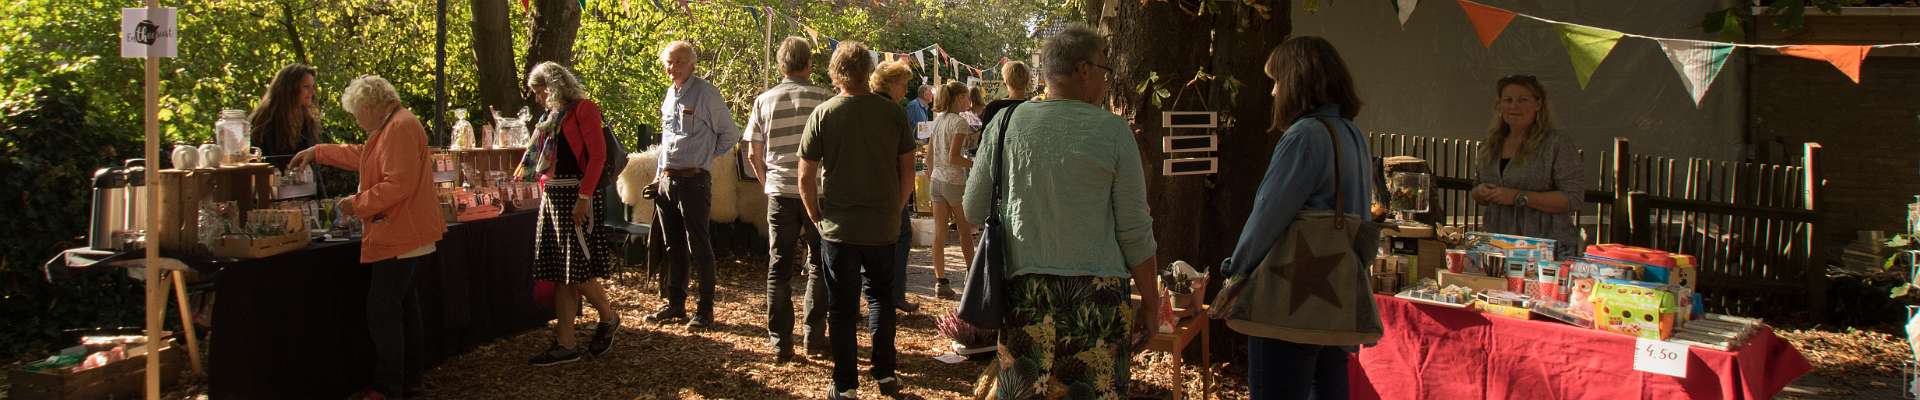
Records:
x=1189, y=119
x=1185, y=144
x=923, y=130
x=139, y=31
x=1189, y=166
x=1660, y=357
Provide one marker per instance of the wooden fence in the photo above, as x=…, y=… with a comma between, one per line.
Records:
x=1752, y=226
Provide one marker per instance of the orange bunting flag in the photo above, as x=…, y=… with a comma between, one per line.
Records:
x=1488, y=21
x=1845, y=58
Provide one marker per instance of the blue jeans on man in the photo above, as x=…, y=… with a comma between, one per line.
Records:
x=850, y=269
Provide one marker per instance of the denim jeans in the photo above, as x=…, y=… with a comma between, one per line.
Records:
x=393, y=320
x=1278, y=369
x=683, y=205
x=900, y=250
x=847, y=266
x=794, y=233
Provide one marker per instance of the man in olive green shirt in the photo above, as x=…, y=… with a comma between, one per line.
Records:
x=856, y=169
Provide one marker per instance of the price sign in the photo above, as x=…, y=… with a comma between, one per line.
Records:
x=1660, y=357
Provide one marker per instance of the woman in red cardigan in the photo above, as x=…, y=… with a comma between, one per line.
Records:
x=572, y=249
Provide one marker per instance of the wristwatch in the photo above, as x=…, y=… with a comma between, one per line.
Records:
x=1520, y=200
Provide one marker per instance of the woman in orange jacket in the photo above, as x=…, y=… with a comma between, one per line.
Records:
x=397, y=204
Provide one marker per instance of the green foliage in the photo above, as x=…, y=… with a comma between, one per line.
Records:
x=47, y=150
x=1791, y=15
x=72, y=105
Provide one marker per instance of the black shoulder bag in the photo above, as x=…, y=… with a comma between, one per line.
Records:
x=984, y=303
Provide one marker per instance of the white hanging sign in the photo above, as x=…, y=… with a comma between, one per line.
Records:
x=138, y=31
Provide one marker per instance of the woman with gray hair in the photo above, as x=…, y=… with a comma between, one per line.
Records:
x=571, y=248
x=397, y=203
x=1083, y=227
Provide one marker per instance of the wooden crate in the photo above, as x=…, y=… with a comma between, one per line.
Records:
x=249, y=186
x=121, y=380
x=239, y=247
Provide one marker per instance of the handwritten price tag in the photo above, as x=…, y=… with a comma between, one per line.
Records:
x=1660, y=357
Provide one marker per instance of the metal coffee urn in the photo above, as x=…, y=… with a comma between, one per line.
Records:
x=136, y=169
x=109, y=208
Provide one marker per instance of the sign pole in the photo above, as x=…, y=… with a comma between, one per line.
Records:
x=155, y=298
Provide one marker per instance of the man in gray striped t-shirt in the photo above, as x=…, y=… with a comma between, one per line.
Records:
x=773, y=136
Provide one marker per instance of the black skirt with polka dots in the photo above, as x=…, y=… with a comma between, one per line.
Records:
x=565, y=253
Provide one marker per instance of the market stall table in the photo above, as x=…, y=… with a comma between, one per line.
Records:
x=1433, y=352
x=293, y=325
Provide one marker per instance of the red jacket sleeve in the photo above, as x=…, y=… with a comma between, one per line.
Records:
x=584, y=127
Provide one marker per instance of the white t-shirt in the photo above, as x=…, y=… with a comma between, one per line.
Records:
x=949, y=130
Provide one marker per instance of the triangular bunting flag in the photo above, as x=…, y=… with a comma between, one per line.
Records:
x=1697, y=62
x=1488, y=21
x=875, y=55
x=1845, y=58
x=1588, y=46
x=1405, y=9
x=920, y=59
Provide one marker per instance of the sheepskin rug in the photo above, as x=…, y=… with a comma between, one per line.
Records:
x=734, y=199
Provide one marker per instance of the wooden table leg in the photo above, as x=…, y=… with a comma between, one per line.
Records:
x=1179, y=374
x=1206, y=360
x=186, y=321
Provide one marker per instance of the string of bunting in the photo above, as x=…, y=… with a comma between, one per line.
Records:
x=1698, y=62
x=919, y=57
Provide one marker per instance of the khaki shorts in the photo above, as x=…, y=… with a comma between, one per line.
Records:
x=949, y=193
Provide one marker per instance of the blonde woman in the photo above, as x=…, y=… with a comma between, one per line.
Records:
x=1529, y=179
x=893, y=80
x=572, y=249
x=951, y=136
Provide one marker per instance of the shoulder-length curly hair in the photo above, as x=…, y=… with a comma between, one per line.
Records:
x=560, y=82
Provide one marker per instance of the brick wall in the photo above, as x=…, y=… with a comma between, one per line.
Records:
x=1870, y=134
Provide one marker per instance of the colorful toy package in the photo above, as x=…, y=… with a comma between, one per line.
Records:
x=1511, y=246
x=1627, y=307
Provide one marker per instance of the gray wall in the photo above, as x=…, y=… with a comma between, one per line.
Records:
x=1433, y=78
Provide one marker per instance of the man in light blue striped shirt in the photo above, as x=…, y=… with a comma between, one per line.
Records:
x=773, y=137
x=695, y=128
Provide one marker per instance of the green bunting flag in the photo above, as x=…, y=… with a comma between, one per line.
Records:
x=1588, y=46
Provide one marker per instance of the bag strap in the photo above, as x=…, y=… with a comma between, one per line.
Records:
x=1338, y=199
x=999, y=155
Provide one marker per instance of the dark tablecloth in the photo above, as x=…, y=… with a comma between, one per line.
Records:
x=1432, y=352
x=293, y=326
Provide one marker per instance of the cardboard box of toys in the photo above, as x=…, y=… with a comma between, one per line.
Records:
x=1629, y=308
x=1495, y=255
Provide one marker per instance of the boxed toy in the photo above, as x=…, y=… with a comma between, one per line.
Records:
x=1634, y=310
x=1511, y=246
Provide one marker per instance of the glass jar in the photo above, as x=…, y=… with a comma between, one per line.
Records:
x=234, y=134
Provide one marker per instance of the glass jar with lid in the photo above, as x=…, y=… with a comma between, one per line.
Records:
x=235, y=136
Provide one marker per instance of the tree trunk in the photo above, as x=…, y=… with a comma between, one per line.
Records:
x=1196, y=217
x=555, y=25
x=493, y=51
x=293, y=34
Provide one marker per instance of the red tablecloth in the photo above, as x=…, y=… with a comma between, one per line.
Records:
x=1432, y=352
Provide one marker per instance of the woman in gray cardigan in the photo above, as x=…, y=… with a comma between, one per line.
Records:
x=1530, y=180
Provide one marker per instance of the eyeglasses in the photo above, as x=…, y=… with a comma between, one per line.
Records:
x=1107, y=68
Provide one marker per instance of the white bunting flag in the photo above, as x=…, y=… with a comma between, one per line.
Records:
x=1405, y=9
x=876, y=57
x=1697, y=62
